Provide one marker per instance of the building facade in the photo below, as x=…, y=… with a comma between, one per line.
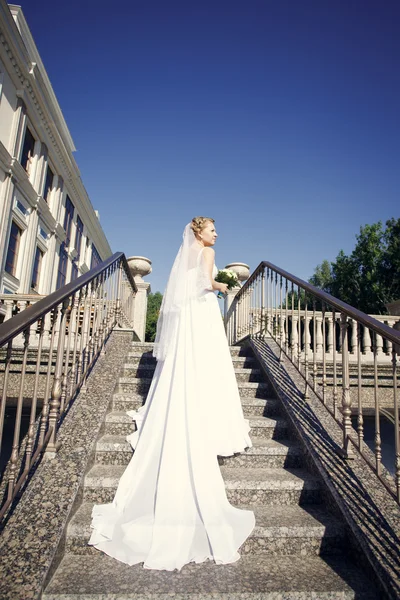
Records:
x=49, y=232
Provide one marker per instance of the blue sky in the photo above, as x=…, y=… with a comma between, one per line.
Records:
x=280, y=119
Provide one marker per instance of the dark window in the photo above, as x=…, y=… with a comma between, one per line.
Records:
x=69, y=215
x=62, y=267
x=74, y=271
x=96, y=260
x=78, y=237
x=36, y=268
x=27, y=150
x=48, y=186
x=13, y=247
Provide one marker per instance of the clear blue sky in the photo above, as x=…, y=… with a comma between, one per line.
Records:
x=280, y=119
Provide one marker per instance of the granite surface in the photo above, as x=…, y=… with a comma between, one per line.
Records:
x=36, y=527
x=352, y=489
x=251, y=578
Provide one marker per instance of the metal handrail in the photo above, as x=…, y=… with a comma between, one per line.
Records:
x=9, y=329
x=326, y=346
x=353, y=313
x=64, y=332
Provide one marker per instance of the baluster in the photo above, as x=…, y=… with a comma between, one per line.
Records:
x=379, y=344
x=53, y=445
x=262, y=301
x=389, y=345
x=353, y=339
x=32, y=418
x=4, y=390
x=75, y=315
x=346, y=398
x=281, y=323
x=287, y=341
x=51, y=321
x=335, y=390
x=320, y=343
x=360, y=417
x=396, y=424
x=378, y=440
x=366, y=341
x=66, y=351
x=323, y=324
x=299, y=345
x=12, y=473
x=314, y=347
x=306, y=344
x=331, y=328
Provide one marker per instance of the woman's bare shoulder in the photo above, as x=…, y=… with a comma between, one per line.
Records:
x=209, y=251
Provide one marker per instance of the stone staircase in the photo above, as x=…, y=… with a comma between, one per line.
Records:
x=297, y=549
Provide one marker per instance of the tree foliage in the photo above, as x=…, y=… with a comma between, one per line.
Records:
x=153, y=309
x=369, y=277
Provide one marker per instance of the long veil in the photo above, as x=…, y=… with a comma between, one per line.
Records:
x=187, y=282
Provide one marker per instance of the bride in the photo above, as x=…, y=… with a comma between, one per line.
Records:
x=170, y=507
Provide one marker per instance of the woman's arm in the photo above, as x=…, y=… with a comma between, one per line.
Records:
x=209, y=254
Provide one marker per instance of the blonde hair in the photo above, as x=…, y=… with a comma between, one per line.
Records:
x=198, y=224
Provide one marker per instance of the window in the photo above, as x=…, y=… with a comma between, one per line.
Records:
x=96, y=260
x=62, y=267
x=48, y=186
x=78, y=237
x=36, y=268
x=27, y=151
x=13, y=247
x=69, y=215
x=74, y=271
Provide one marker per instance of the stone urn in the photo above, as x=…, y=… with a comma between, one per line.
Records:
x=241, y=269
x=140, y=266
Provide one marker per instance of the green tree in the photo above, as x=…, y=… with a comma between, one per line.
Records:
x=322, y=277
x=370, y=277
x=153, y=308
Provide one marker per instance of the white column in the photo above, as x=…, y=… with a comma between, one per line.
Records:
x=140, y=309
x=319, y=342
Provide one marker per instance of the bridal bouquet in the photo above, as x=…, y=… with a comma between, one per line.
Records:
x=226, y=276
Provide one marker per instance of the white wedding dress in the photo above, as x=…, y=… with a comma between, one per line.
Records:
x=170, y=507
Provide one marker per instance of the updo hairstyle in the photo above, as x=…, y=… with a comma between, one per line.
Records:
x=198, y=224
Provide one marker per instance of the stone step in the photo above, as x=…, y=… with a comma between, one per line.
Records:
x=251, y=406
x=145, y=371
x=266, y=427
x=267, y=453
x=127, y=401
x=147, y=358
x=137, y=385
x=141, y=370
x=245, y=375
x=245, y=486
x=255, y=390
x=260, y=407
x=100, y=577
x=140, y=386
x=287, y=530
x=142, y=347
x=113, y=449
x=119, y=423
